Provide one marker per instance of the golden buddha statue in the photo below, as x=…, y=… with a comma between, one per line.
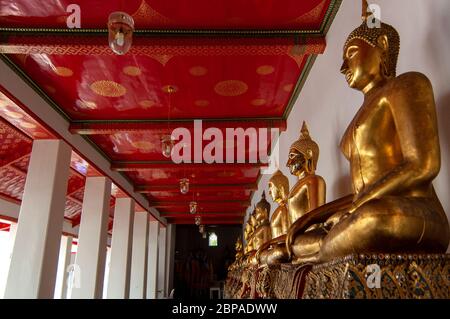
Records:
x=239, y=253
x=309, y=191
x=248, y=232
x=274, y=251
x=392, y=145
x=262, y=233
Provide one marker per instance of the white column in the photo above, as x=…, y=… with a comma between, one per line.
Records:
x=122, y=236
x=93, y=233
x=152, y=270
x=170, y=257
x=34, y=260
x=65, y=252
x=162, y=251
x=139, y=253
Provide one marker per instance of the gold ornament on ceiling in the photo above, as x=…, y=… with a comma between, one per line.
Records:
x=201, y=103
x=132, y=70
x=108, y=88
x=169, y=88
x=265, y=69
x=231, y=88
x=40, y=135
x=50, y=89
x=145, y=104
x=14, y=115
x=63, y=71
x=27, y=125
x=143, y=145
x=258, y=102
x=198, y=70
x=288, y=87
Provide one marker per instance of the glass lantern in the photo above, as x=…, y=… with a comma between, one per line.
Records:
x=193, y=207
x=184, y=186
x=120, y=32
x=167, y=145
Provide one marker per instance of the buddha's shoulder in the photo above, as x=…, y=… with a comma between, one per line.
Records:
x=304, y=182
x=410, y=80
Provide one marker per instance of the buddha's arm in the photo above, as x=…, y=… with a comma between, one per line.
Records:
x=319, y=215
x=412, y=105
x=274, y=241
x=316, y=193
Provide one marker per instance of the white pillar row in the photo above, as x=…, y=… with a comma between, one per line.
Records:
x=92, y=237
x=65, y=252
x=139, y=253
x=170, y=257
x=121, y=244
x=162, y=251
x=34, y=261
x=152, y=267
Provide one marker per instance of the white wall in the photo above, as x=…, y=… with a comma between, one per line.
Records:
x=328, y=104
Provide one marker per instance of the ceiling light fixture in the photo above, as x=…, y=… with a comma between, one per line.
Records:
x=167, y=140
x=184, y=186
x=193, y=207
x=120, y=32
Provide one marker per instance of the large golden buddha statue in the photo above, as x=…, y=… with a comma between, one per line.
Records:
x=392, y=145
x=262, y=233
x=274, y=251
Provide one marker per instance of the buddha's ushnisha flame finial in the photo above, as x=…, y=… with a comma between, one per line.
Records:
x=263, y=195
x=364, y=13
x=304, y=133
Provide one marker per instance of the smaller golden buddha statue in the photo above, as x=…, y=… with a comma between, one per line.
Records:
x=262, y=233
x=309, y=191
x=248, y=232
x=239, y=253
x=274, y=251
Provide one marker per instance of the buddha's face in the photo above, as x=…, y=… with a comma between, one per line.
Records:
x=274, y=192
x=296, y=162
x=362, y=64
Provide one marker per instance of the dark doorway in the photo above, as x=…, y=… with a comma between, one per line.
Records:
x=199, y=266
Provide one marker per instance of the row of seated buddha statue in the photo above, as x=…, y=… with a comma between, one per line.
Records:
x=392, y=145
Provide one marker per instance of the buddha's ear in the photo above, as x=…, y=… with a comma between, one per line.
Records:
x=383, y=42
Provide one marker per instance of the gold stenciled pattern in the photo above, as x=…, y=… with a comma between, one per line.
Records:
x=145, y=104
x=265, y=69
x=108, y=88
x=169, y=88
x=198, y=70
x=63, y=71
x=231, y=88
x=201, y=103
x=132, y=70
x=258, y=102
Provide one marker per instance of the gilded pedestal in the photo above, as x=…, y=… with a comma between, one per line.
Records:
x=400, y=277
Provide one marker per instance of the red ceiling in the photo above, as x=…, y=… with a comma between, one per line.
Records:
x=121, y=103
x=160, y=14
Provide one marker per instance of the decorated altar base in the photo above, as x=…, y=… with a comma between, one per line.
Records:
x=355, y=276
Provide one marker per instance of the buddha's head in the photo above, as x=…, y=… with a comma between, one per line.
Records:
x=370, y=54
x=279, y=187
x=262, y=209
x=303, y=154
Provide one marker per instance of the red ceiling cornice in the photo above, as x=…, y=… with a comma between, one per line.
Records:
x=79, y=43
x=145, y=165
x=111, y=127
x=209, y=187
